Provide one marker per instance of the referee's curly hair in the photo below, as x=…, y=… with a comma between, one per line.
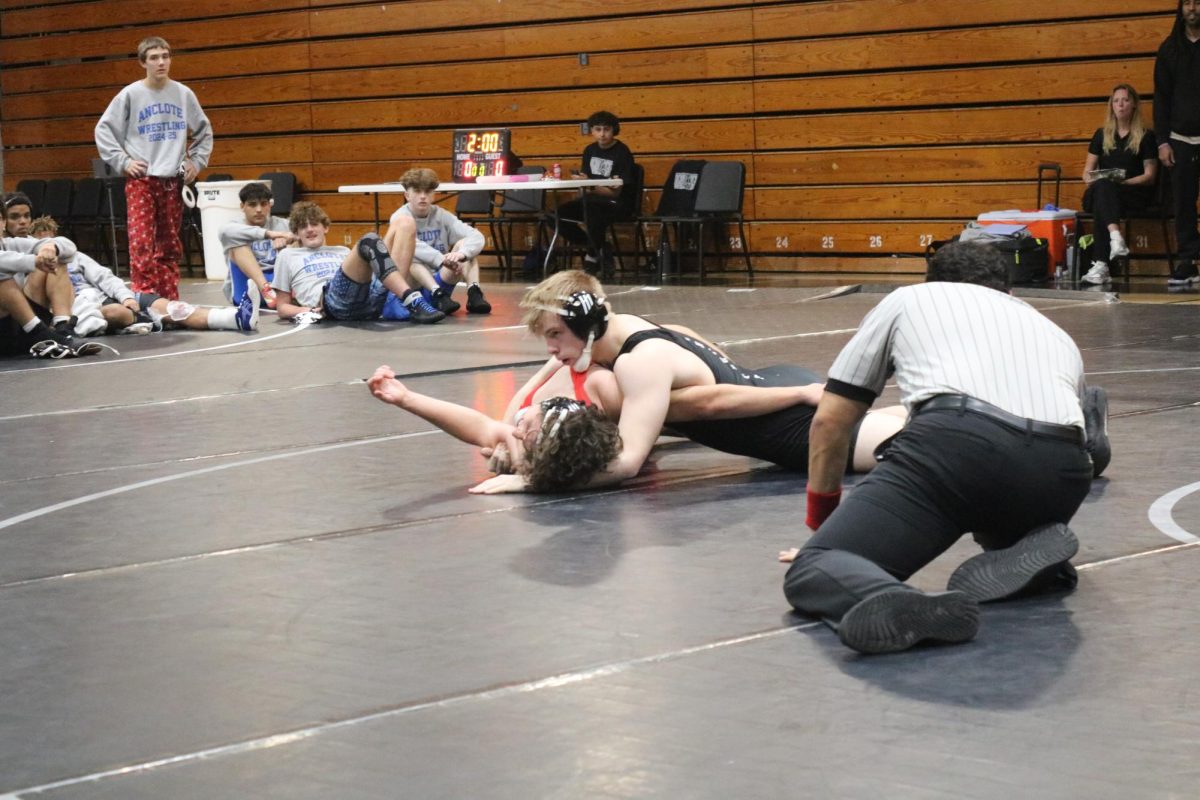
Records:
x=970, y=262
x=585, y=443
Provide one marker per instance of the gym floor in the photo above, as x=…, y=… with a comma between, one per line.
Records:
x=227, y=571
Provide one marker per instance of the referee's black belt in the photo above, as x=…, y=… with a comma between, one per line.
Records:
x=960, y=402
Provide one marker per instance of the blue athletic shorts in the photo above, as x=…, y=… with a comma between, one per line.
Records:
x=345, y=299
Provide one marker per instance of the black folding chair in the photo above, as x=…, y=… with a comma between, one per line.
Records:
x=57, y=202
x=114, y=216
x=633, y=191
x=719, y=200
x=519, y=206
x=283, y=189
x=676, y=207
x=475, y=208
x=85, y=212
x=35, y=190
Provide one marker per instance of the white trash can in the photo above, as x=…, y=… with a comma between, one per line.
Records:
x=219, y=204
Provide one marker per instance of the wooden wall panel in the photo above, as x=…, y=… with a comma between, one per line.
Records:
x=539, y=40
x=868, y=127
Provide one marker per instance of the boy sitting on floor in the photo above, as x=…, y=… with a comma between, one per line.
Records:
x=251, y=246
x=316, y=280
x=104, y=303
x=446, y=249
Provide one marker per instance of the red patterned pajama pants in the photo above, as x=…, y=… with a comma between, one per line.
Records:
x=155, y=211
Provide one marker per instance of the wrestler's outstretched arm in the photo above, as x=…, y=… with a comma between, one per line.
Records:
x=464, y=424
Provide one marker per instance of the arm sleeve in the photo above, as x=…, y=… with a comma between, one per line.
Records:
x=110, y=133
x=236, y=234
x=866, y=361
x=471, y=237
x=103, y=278
x=1164, y=87
x=1096, y=145
x=427, y=254
x=15, y=263
x=201, y=133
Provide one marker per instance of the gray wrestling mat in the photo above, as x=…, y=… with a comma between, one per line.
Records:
x=227, y=571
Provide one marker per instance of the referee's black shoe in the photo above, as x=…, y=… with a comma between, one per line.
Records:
x=1036, y=559
x=897, y=620
x=1095, y=423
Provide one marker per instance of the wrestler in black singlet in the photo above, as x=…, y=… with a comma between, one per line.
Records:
x=780, y=437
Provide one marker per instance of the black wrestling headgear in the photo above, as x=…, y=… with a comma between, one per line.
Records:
x=584, y=314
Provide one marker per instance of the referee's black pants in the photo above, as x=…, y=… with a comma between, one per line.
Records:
x=948, y=472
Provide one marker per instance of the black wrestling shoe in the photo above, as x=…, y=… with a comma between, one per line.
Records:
x=443, y=302
x=998, y=574
x=420, y=311
x=1095, y=422
x=476, y=304
x=44, y=333
x=897, y=620
x=66, y=326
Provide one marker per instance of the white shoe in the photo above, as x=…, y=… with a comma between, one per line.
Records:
x=1117, y=246
x=137, y=329
x=1097, y=275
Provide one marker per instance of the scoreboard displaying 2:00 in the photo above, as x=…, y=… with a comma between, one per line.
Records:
x=479, y=152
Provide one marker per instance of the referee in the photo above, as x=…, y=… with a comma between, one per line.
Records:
x=994, y=446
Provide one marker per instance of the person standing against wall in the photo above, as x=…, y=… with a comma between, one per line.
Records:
x=144, y=134
x=1177, y=126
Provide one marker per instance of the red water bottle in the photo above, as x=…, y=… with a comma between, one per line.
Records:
x=556, y=171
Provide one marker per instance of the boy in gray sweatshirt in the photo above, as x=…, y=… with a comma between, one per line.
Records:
x=23, y=324
x=447, y=248
x=251, y=246
x=144, y=135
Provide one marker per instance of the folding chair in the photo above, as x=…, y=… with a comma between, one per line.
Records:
x=676, y=205
x=718, y=200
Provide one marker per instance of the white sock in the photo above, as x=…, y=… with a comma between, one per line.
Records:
x=29, y=326
x=59, y=318
x=222, y=319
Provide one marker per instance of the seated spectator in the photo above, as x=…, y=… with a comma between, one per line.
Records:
x=606, y=157
x=447, y=248
x=316, y=280
x=251, y=246
x=103, y=303
x=51, y=290
x=1123, y=143
x=25, y=324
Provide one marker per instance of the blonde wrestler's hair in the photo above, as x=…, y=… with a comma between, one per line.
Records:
x=550, y=293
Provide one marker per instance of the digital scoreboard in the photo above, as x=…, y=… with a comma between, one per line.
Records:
x=479, y=152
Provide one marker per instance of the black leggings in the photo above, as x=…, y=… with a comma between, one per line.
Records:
x=1110, y=203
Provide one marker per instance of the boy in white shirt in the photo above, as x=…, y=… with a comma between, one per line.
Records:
x=314, y=280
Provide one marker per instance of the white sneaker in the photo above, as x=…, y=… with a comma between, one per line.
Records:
x=1097, y=275
x=137, y=329
x=1117, y=248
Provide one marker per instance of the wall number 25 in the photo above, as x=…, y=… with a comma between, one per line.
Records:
x=827, y=243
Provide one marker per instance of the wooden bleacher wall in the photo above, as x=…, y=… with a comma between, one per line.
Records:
x=868, y=127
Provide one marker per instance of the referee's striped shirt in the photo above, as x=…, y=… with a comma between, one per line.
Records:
x=957, y=338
